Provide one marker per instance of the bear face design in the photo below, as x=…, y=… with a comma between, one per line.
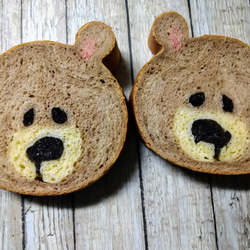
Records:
x=190, y=101
x=63, y=115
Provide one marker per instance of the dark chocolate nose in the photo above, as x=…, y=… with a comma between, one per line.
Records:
x=210, y=131
x=45, y=149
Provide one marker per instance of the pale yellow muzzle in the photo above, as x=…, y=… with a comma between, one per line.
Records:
x=203, y=151
x=52, y=171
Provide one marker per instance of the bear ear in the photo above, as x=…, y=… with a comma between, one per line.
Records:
x=169, y=31
x=96, y=41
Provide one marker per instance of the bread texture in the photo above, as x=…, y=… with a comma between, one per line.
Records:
x=63, y=115
x=191, y=100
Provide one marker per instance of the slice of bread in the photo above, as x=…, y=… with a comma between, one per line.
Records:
x=63, y=115
x=191, y=100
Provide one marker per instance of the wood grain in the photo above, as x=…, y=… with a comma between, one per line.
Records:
x=143, y=202
x=10, y=204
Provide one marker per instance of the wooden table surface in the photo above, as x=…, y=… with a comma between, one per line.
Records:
x=143, y=202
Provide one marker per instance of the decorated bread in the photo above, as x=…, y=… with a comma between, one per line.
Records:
x=191, y=100
x=63, y=115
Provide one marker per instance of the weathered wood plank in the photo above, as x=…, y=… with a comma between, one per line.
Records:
x=232, y=211
x=10, y=221
x=10, y=20
x=108, y=214
x=44, y=20
x=229, y=18
x=10, y=204
x=177, y=202
x=231, y=194
x=48, y=221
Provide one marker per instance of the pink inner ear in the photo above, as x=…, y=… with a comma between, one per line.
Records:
x=88, y=48
x=175, y=38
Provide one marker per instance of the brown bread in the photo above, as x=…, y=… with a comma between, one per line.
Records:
x=63, y=115
x=191, y=100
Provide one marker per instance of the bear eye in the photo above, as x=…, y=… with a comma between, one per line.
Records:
x=58, y=115
x=28, y=117
x=197, y=99
x=228, y=105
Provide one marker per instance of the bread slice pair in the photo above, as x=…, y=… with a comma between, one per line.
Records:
x=63, y=115
x=191, y=100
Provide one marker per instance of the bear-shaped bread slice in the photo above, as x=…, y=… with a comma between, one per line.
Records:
x=63, y=115
x=191, y=100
